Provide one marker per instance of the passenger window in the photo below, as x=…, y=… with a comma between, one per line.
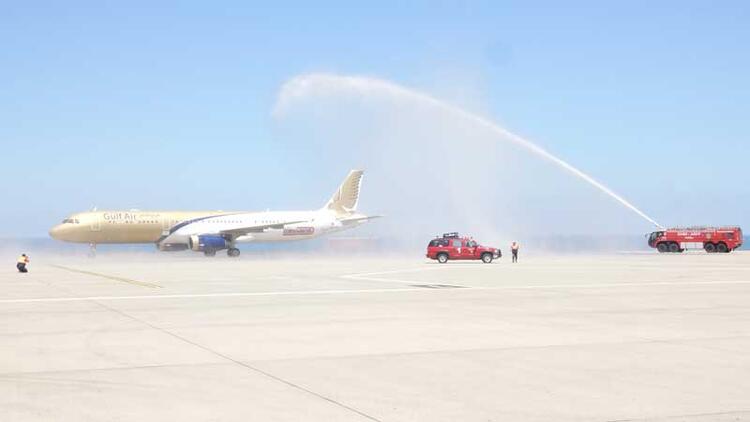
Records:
x=456, y=243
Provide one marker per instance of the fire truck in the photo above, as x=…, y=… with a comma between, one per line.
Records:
x=710, y=239
x=454, y=246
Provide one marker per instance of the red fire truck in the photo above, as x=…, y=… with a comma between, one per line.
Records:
x=710, y=239
x=454, y=246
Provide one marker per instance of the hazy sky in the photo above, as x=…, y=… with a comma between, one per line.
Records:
x=131, y=105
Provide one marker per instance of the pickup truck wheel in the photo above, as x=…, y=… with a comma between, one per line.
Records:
x=709, y=247
x=674, y=247
x=662, y=247
x=486, y=257
x=722, y=247
x=442, y=258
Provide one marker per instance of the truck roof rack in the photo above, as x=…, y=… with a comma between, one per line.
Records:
x=450, y=235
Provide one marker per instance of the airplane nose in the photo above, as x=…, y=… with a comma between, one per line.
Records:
x=55, y=232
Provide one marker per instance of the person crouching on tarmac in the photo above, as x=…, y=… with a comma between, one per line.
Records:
x=514, y=250
x=23, y=260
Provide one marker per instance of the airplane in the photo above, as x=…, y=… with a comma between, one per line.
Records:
x=212, y=231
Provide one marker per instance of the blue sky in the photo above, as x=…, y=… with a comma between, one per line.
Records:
x=129, y=104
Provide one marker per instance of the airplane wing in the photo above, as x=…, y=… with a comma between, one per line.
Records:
x=242, y=231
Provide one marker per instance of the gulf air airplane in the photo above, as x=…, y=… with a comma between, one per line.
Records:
x=212, y=231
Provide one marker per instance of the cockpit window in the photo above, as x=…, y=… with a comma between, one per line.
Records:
x=70, y=221
x=654, y=235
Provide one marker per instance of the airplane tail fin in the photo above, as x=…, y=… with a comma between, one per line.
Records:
x=347, y=196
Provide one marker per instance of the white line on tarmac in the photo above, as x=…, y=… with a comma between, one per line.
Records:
x=407, y=270
x=366, y=276
x=386, y=280
x=395, y=290
x=609, y=285
x=544, y=286
x=209, y=295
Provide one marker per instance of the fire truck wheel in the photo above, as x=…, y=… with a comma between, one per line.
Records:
x=486, y=257
x=674, y=247
x=709, y=247
x=662, y=247
x=442, y=258
x=722, y=247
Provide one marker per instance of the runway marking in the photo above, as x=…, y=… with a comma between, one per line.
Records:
x=427, y=267
x=384, y=280
x=366, y=276
x=110, y=277
x=405, y=270
x=209, y=295
x=734, y=413
x=357, y=291
x=611, y=285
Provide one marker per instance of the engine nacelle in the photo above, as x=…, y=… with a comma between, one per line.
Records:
x=205, y=242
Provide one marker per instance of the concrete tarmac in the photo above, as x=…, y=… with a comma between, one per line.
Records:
x=178, y=337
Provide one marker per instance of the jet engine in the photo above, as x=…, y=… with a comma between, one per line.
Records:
x=207, y=242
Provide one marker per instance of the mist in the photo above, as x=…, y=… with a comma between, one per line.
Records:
x=432, y=167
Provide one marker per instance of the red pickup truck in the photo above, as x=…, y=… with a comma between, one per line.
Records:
x=453, y=246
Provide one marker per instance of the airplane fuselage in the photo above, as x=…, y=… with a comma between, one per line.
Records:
x=101, y=227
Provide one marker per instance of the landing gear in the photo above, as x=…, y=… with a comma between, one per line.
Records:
x=209, y=252
x=233, y=252
x=92, y=250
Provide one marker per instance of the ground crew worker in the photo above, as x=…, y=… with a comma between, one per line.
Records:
x=23, y=260
x=514, y=250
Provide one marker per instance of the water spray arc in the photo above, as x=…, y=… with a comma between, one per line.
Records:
x=314, y=84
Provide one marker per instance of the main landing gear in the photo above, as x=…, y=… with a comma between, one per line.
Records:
x=233, y=252
x=92, y=250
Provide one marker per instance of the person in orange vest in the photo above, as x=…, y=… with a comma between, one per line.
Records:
x=23, y=260
x=514, y=250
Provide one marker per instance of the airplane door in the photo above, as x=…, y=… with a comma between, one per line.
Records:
x=96, y=223
x=166, y=224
